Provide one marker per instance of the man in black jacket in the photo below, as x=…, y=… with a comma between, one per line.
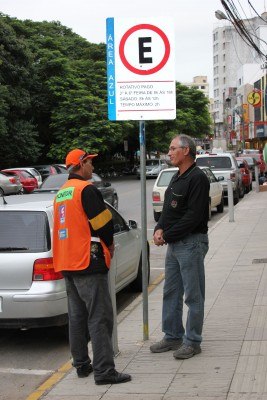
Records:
x=183, y=225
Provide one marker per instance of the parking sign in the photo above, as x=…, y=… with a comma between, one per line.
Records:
x=141, y=69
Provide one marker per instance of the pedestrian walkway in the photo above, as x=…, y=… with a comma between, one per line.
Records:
x=233, y=362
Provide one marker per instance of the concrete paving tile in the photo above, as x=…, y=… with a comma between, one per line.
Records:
x=200, y=384
x=251, y=364
x=144, y=384
x=133, y=396
x=71, y=385
x=154, y=365
x=257, y=327
x=249, y=383
x=180, y=396
x=52, y=396
x=213, y=365
x=247, y=396
x=217, y=348
x=258, y=348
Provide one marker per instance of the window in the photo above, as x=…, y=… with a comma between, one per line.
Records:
x=24, y=231
x=118, y=221
x=165, y=178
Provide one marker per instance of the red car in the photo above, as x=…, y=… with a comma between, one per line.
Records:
x=28, y=181
x=245, y=173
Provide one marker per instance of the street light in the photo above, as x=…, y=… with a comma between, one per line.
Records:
x=220, y=15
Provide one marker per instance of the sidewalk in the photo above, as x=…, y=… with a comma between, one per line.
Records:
x=233, y=362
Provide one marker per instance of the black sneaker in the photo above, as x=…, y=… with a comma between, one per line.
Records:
x=113, y=378
x=84, y=370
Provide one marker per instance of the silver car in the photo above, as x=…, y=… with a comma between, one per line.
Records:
x=32, y=294
x=9, y=184
x=153, y=168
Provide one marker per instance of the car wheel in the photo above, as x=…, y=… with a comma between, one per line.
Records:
x=137, y=284
x=116, y=202
x=250, y=186
x=156, y=216
x=220, y=207
x=1, y=192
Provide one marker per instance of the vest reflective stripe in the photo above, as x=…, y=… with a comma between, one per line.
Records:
x=72, y=235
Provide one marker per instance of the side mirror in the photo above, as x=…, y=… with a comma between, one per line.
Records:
x=107, y=184
x=220, y=178
x=132, y=224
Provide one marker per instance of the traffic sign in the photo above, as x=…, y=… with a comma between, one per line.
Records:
x=141, y=69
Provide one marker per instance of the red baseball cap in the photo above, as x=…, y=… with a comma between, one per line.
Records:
x=74, y=157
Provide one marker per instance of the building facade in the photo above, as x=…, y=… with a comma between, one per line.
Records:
x=236, y=70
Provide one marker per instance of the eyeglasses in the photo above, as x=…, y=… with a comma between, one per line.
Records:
x=172, y=148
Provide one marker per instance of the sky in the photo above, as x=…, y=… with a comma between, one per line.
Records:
x=194, y=22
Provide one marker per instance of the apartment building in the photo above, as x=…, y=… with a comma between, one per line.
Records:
x=235, y=64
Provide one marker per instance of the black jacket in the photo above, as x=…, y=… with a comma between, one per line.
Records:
x=186, y=205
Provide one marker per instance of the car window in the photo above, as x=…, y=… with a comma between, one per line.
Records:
x=26, y=231
x=214, y=162
x=54, y=181
x=152, y=162
x=210, y=175
x=118, y=221
x=165, y=178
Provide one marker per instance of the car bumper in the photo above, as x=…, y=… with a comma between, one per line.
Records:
x=45, y=304
x=157, y=207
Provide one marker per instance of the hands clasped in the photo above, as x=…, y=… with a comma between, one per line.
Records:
x=158, y=238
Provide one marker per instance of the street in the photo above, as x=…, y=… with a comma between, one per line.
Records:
x=28, y=358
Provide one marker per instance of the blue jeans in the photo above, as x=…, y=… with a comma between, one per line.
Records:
x=90, y=315
x=185, y=278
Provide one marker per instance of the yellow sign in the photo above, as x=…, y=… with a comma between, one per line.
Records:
x=254, y=98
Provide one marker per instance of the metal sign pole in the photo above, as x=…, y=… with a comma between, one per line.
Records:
x=142, y=141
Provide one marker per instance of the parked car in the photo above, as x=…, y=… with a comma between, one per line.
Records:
x=28, y=181
x=54, y=182
x=245, y=173
x=224, y=164
x=251, y=164
x=9, y=184
x=50, y=169
x=216, y=191
x=153, y=168
x=34, y=295
x=32, y=171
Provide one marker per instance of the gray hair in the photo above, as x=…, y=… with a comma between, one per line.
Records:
x=187, y=141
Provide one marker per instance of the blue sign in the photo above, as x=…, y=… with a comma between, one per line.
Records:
x=111, y=69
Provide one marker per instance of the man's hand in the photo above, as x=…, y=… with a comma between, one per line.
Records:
x=158, y=238
x=111, y=249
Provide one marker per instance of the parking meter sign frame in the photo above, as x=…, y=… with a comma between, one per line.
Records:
x=141, y=69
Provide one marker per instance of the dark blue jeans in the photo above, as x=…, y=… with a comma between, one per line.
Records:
x=185, y=280
x=90, y=314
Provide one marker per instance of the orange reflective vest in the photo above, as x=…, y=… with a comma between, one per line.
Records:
x=72, y=234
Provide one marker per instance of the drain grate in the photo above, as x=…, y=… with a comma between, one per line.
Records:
x=259, y=261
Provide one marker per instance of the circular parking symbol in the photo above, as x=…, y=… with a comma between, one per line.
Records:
x=162, y=62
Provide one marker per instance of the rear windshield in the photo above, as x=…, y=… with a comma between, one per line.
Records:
x=54, y=181
x=24, y=231
x=214, y=162
x=165, y=178
x=152, y=162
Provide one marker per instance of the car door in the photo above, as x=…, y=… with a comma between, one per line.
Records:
x=215, y=189
x=127, y=251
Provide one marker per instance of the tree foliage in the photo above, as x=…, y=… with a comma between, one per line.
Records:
x=53, y=97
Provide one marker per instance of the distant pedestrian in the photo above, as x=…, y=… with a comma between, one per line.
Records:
x=183, y=225
x=82, y=248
